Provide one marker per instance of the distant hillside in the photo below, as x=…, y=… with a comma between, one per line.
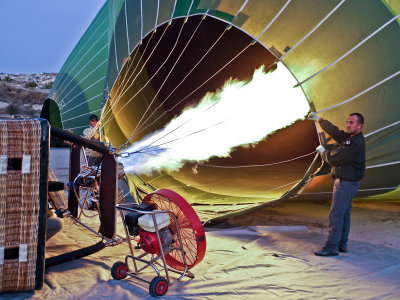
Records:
x=24, y=94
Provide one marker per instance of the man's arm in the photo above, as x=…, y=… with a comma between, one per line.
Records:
x=338, y=135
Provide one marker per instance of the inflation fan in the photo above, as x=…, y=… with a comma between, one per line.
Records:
x=169, y=237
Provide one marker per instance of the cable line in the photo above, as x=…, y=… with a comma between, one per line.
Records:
x=169, y=73
x=350, y=51
x=176, y=42
x=123, y=93
x=258, y=165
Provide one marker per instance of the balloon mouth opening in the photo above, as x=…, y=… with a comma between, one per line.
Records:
x=186, y=60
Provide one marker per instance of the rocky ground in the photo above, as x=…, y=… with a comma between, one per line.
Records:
x=16, y=97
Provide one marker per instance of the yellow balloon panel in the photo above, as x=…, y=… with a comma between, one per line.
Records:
x=257, y=14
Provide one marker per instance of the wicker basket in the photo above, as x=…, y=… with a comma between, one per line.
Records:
x=24, y=148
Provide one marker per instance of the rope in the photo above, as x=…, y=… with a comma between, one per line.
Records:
x=173, y=12
x=115, y=39
x=191, y=92
x=132, y=61
x=383, y=165
x=176, y=128
x=174, y=140
x=129, y=79
x=87, y=101
x=84, y=114
x=60, y=93
x=152, y=52
x=102, y=78
x=78, y=84
x=104, y=47
x=58, y=82
x=259, y=165
x=176, y=42
x=383, y=128
x=274, y=19
x=141, y=19
x=350, y=51
x=361, y=190
x=187, y=75
x=314, y=29
x=127, y=28
x=361, y=93
x=169, y=73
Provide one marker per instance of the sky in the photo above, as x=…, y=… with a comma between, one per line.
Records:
x=38, y=35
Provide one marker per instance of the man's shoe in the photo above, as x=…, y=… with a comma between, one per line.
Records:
x=326, y=253
x=343, y=249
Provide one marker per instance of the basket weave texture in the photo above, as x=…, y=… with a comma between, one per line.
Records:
x=19, y=203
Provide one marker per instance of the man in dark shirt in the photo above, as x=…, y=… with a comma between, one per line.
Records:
x=347, y=166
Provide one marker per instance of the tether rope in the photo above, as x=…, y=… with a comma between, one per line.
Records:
x=84, y=91
x=123, y=80
x=350, y=51
x=258, y=165
x=139, y=127
x=84, y=114
x=176, y=128
x=244, y=49
x=169, y=73
x=69, y=62
x=361, y=93
x=78, y=84
x=187, y=75
x=132, y=81
x=313, y=30
x=176, y=42
x=195, y=65
x=119, y=97
x=115, y=39
x=274, y=19
x=72, y=78
x=127, y=29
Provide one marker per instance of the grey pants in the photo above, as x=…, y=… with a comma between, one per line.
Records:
x=339, y=216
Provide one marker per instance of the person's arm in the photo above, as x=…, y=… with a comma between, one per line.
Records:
x=338, y=135
x=342, y=156
x=86, y=133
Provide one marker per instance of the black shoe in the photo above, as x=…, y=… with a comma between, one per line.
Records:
x=326, y=253
x=343, y=249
